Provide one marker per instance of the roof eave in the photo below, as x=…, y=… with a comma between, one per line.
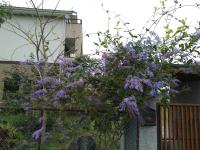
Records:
x=42, y=12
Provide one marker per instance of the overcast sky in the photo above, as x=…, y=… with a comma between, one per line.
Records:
x=94, y=16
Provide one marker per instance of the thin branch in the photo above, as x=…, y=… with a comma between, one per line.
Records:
x=50, y=31
x=156, y=21
x=22, y=31
x=53, y=11
x=17, y=49
x=40, y=23
x=40, y=4
x=35, y=31
x=13, y=31
x=42, y=28
x=52, y=26
x=36, y=10
x=27, y=37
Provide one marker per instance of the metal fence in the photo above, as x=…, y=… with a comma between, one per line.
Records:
x=62, y=128
x=178, y=127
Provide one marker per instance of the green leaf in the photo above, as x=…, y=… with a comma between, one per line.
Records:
x=96, y=44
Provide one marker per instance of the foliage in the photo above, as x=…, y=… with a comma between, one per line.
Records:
x=5, y=12
x=126, y=76
x=17, y=84
x=9, y=136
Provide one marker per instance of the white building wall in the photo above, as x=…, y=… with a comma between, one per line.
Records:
x=14, y=47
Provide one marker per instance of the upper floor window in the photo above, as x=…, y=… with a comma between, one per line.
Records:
x=69, y=47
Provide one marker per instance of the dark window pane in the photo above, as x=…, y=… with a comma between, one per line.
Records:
x=69, y=46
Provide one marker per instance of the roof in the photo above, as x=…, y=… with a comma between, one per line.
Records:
x=42, y=12
x=187, y=72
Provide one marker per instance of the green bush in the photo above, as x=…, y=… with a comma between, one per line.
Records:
x=10, y=137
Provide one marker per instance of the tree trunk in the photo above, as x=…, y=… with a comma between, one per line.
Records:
x=138, y=134
x=43, y=125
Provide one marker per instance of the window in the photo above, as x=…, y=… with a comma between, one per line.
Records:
x=69, y=47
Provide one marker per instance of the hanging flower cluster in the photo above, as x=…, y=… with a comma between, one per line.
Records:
x=54, y=89
x=142, y=70
x=122, y=80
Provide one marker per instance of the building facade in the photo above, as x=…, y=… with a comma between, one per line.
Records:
x=53, y=32
x=61, y=30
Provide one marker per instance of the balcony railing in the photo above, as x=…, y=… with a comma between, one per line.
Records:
x=73, y=21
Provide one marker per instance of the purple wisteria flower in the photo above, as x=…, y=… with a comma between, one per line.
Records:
x=130, y=104
x=64, y=62
x=36, y=134
x=155, y=40
x=185, y=54
x=57, y=82
x=147, y=41
x=70, y=69
x=59, y=94
x=125, y=62
x=176, y=51
x=39, y=93
x=147, y=82
x=132, y=54
x=49, y=82
x=74, y=84
x=51, y=88
x=159, y=84
x=197, y=34
x=134, y=83
x=40, y=120
x=154, y=93
x=33, y=62
x=153, y=67
x=129, y=46
x=149, y=73
x=152, y=33
x=165, y=56
x=106, y=57
x=142, y=56
x=44, y=80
